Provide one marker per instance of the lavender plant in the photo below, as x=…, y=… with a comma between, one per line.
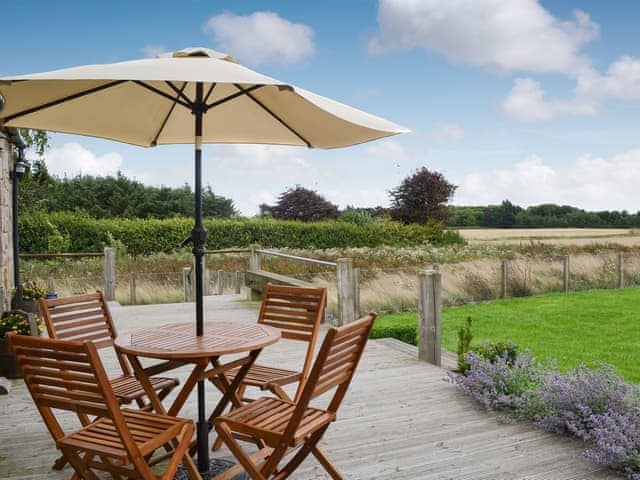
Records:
x=502, y=383
x=569, y=401
x=597, y=406
x=616, y=441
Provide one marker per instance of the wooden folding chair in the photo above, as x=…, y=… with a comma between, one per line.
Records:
x=297, y=312
x=284, y=425
x=65, y=375
x=87, y=317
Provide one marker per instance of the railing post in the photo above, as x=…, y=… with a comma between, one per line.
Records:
x=220, y=282
x=356, y=292
x=109, y=273
x=132, y=287
x=565, y=273
x=238, y=285
x=254, y=260
x=430, y=308
x=344, y=283
x=504, y=279
x=621, y=270
x=187, y=283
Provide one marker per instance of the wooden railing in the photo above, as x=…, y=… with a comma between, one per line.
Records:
x=347, y=280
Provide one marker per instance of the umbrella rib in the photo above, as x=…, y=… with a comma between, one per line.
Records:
x=154, y=142
x=273, y=114
x=179, y=91
x=62, y=100
x=206, y=97
x=234, y=95
x=161, y=93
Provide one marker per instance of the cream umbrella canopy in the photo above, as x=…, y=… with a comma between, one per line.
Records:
x=195, y=95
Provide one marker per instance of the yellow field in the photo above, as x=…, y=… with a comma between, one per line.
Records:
x=559, y=236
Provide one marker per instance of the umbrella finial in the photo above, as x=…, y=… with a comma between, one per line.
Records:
x=198, y=52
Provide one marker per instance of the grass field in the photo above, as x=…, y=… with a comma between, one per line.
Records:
x=578, y=328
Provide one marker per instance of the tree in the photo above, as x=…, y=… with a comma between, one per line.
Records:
x=504, y=215
x=301, y=204
x=422, y=197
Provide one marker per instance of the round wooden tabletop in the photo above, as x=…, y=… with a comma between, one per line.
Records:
x=178, y=341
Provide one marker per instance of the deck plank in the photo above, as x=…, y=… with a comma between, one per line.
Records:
x=401, y=419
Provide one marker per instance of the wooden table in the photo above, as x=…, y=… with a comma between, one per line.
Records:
x=178, y=345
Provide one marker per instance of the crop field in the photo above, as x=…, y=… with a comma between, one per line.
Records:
x=553, y=236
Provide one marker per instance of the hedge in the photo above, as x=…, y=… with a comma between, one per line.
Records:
x=404, y=333
x=71, y=232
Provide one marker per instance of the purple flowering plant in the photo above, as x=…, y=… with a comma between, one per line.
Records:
x=569, y=401
x=597, y=406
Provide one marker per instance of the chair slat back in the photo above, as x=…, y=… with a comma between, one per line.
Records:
x=335, y=364
x=339, y=356
x=64, y=375
x=81, y=318
x=295, y=311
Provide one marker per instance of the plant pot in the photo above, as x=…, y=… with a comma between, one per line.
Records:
x=8, y=365
x=29, y=306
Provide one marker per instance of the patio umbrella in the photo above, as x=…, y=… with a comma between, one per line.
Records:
x=195, y=95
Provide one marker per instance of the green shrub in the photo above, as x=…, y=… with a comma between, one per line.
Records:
x=404, y=333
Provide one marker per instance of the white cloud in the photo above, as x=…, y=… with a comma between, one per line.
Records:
x=593, y=183
x=153, y=50
x=388, y=149
x=447, y=132
x=526, y=102
x=261, y=37
x=621, y=81
x=505, y=35
x=72, y=158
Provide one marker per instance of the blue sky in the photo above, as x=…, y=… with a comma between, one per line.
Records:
x=534, y=101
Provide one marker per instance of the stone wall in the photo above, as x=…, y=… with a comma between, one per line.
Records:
x=6, y=247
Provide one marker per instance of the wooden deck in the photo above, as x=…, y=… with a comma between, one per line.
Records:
x=400, y=420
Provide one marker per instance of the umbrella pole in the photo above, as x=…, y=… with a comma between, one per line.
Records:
x=198, y=236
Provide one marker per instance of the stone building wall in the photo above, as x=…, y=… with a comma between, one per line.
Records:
x=6, y=234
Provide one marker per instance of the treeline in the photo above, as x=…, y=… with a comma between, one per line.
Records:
x=509, y=215
x=108, y=197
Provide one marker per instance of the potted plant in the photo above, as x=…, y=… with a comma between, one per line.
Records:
x=23, y=323
x=25, y=297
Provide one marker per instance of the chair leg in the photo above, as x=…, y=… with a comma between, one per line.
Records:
x=324, y=461
x=60, y=462
x=225, y=433
x=180, y=453
x=308, y=447
x=79, y=464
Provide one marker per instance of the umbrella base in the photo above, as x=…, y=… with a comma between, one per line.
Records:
x=216, y=467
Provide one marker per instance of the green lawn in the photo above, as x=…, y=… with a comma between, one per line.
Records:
x=577, y=328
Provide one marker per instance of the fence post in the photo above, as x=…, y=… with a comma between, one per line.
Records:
x=254, y=260
x=621, y=270
x=109, y=273
x=132, y=287
x=356, y=292
x=220, y=282
x=505, y=279
x=238, y=286
x=344, y=283
x=188, y=284
x=565, y=273
x=430, y=308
